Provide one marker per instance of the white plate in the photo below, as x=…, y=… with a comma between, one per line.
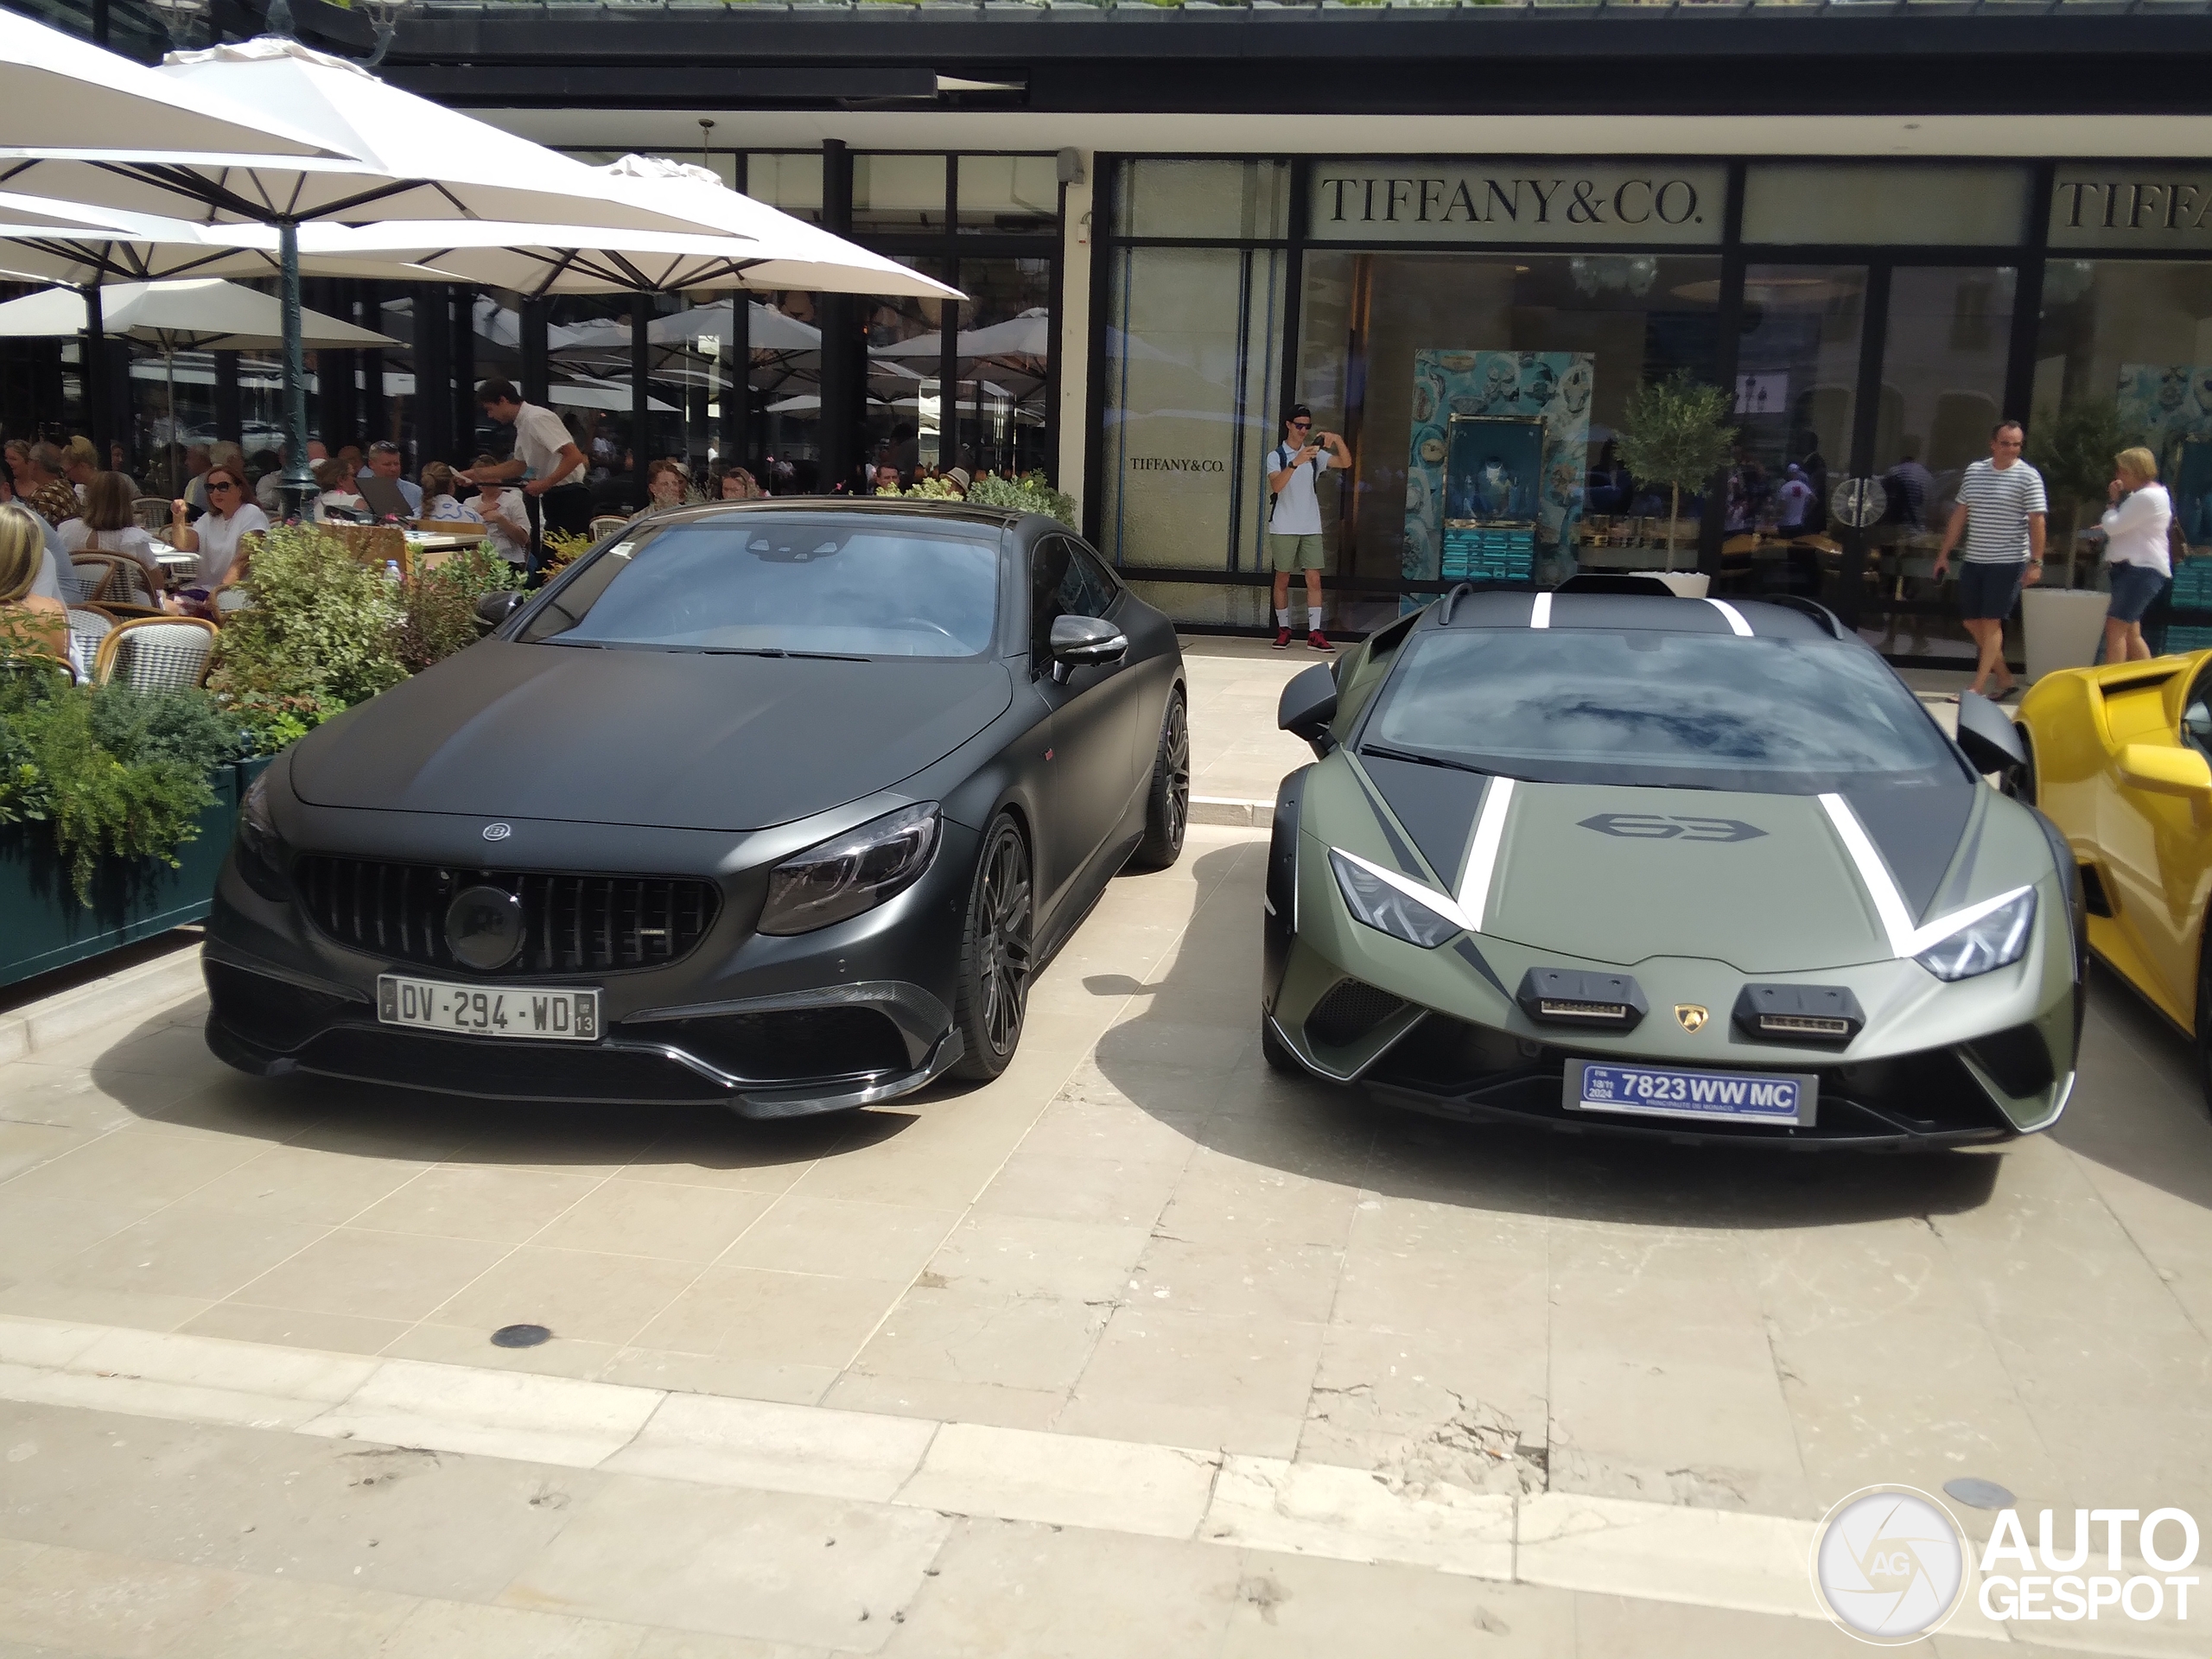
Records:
x=558, y=1014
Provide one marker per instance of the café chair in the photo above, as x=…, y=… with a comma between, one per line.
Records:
x=151, y=514
x=605, y=523
x=157, y=653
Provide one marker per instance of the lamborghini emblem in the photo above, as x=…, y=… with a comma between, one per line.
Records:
x=1692, y=1016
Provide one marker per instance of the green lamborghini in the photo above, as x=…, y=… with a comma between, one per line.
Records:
x=1610, y=859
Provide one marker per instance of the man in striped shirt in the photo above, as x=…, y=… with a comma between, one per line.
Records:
x=2000, y=513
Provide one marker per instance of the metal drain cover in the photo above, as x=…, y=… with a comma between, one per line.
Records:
x=1979, y=1494
x=520, y=1336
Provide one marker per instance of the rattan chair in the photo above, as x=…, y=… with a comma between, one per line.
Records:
x=157, y=653
x=151, y=514
x=605, y=525
x=86, y=580
x=87, y=628
x=128, y=584
x=230, y=601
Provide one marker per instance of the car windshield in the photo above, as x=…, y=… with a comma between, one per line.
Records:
x=1666, y=710
x=793, y=583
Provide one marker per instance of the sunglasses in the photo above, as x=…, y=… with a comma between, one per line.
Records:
x=212, y=488
x=1301, y=426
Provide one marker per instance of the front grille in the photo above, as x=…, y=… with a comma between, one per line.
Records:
x=1348, y=1012
x=571, y=923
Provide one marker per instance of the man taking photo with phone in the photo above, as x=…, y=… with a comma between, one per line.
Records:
x=1294, y=526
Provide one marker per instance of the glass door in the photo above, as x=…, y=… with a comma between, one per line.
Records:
x=1940, y=391
x=1798, y=400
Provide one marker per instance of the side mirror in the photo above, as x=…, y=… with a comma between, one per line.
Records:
x=495, y=608
x=1086, y=642
x=2165, y=771
x=1308, y=706
x=1987, y=735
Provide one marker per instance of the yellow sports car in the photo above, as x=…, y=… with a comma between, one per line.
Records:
x=2121, y=759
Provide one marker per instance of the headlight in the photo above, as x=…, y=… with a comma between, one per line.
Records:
x=1388, y=909
x=1994, y=939
x=856, y=872
x=261, y=851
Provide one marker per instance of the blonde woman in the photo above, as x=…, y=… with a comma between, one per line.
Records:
x=29, y=621
x=2137, y=561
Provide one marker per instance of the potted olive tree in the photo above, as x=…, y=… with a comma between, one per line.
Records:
x=1677, y=433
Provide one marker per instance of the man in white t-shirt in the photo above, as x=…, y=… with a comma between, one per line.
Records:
x=1294, y=526
x=545, y=458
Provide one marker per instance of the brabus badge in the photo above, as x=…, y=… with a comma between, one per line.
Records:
x=1692, y=1016
x=501, y=831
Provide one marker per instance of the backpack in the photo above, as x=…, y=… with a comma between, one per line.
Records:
x=1283, y=451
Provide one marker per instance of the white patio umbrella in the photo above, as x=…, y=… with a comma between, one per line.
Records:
x=54, y=83
x=193, y=315
x=767, y=329
x=204, y=314
x=109, y=244
x=399, y=156
x=1029, y=335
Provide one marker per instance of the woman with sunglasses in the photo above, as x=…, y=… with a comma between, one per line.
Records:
x=231, y=515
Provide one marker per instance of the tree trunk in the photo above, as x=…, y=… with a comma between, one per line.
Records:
x=1674, y=512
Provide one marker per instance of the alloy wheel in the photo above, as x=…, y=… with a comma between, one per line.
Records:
x=1003, y=959
x=1179, y=772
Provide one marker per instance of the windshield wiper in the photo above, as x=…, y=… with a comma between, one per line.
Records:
x=1383, y=753
x=777, y=651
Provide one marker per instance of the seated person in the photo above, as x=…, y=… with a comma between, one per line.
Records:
x=336, y=485
x=503, y=513
x=107, y=525
x=666, y=484
x=29, y=622
x=438, y=498
x=385, y=463
x=220, y=537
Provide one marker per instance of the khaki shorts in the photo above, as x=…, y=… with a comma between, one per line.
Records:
x=1296, y=552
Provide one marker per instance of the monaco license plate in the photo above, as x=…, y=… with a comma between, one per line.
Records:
x=1674, y=1091
x=553, y=1013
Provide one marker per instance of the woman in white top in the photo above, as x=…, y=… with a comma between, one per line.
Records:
x=232, y=516
x=106, y=526
x=438, y=500
x=2136, y=558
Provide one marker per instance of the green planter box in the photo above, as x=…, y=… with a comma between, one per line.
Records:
x=43, y=927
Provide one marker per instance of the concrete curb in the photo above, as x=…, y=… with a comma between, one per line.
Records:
x=1225, y=809
x=54, y=1019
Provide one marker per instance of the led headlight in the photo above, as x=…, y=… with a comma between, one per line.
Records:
x=1388, y=909
x=856, y=871
x=260, y=850
x=1996, y=939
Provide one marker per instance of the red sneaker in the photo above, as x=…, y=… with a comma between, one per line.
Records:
x=1282, y=638
x=1318, y=640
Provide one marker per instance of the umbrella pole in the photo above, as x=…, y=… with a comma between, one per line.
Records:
x=92, y=371
x=298, y=490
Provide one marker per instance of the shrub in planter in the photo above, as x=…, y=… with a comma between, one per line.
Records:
x=323, y=633
x=112, y=772
x=1028, y=493
x=439, y=617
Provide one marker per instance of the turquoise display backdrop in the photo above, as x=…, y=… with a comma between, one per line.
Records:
x=1555, y=385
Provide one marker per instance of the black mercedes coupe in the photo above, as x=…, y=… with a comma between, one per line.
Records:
x=775, y=805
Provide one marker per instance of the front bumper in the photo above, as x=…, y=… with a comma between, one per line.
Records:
x=850, y=1014
x=1441, y=1031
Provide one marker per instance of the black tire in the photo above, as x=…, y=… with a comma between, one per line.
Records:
x=2020, y=782
x=1276, y=1052
x=2204, y=1015
x=996, y=942
x=1167, y=807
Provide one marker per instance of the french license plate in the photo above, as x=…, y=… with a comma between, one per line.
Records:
x=563, y=1014
x=1671, y=1091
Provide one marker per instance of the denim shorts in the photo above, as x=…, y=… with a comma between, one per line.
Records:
x=2135, y=589
x=1989, y=591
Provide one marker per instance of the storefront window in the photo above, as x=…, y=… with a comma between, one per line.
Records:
x=1005, y=359
x=1010, y=196
x=1191, y=393
x=1408, y=355
x=2124, y=355
x=1227, y=201
x=895, y=195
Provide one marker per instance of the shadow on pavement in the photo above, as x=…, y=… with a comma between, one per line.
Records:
x=1308, y=1128
x=371, y=1120
x=2138, y=1107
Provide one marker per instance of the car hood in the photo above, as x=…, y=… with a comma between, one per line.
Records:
x=675, y=740
x=1616, y=874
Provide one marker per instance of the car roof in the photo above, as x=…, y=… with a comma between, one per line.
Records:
x=1783, y=618
x=859, y=506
